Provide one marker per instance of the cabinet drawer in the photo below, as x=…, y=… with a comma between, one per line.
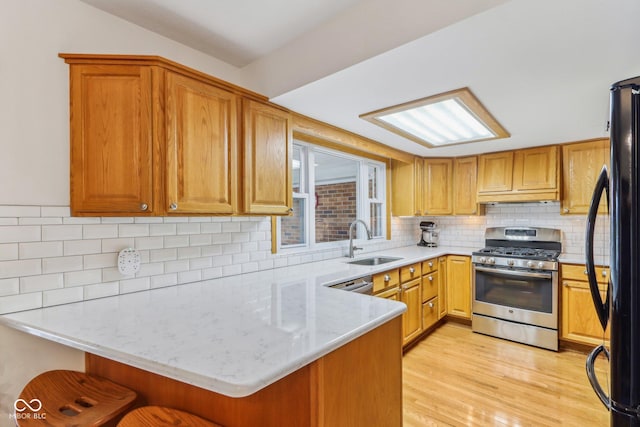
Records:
x=387, y=279
x=430, y=283
x=410, y=272
x=429, y=313
x=429, y=265
x=579, y=272
x=393, y=293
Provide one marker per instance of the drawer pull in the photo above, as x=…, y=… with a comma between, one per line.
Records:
x=412, y=270
x=430, y=304
x=585, y=272
x=387, y=278
x=144, y=206
x=430, y=264
x=604, y=273
x=173, y=206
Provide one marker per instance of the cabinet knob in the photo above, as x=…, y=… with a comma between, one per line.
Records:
x=604, y=273
x=565, y=210
x=565, y=284
x=430, y=264
x=431, y=278
x=387, y=278
x=430, y=304
x=173, y=206
x=290, y=209
x=412, y=270
x=585, y=272
x=144, y=206
x=404, y=287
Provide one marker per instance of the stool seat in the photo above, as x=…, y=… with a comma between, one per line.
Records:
x=159, y=416
x=70, y=398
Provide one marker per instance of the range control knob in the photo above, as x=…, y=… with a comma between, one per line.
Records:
x=541, y=265
x=482, y=260
x=510, y=262
x=530, y=264
x=491, y=260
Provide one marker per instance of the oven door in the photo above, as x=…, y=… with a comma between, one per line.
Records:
x=522, y=296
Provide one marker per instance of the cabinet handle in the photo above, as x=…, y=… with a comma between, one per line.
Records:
x=585, y=272
x=430, y=264
x=565, y=284
x=412, y=270
x=566, y=210
x=290, y=209
x=387, y=278
x=404, y=287
x=604, y=273
x=144, y=206
x=173, y=206
x=430, y=304
x=431, y=278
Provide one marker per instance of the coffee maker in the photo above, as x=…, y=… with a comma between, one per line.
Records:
x=429, y=235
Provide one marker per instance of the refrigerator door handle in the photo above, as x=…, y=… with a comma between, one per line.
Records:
x=591, y=374
x=602, y=307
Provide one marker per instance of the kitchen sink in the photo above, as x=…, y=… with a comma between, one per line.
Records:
x=376, y=260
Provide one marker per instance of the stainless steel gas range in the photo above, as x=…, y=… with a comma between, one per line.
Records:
x=515, y=285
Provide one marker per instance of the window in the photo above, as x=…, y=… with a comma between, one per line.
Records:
x=330, y=190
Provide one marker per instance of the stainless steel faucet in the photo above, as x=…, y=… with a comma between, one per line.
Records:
x=351, y=227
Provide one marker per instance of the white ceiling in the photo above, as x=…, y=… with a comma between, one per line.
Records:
x=541, y=67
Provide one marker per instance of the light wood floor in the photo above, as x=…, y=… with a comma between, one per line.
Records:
x=455, y=377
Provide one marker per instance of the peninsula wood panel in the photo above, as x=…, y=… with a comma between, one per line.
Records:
x=111, y=140
x=345, y=388
x=202, y=130
x=581, y=165
x=267, y=159
x=442, y=287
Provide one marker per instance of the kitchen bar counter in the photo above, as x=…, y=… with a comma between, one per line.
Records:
x=234, y=335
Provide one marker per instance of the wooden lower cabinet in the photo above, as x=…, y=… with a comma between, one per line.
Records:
x=430, y=313
x=412, y=318
x=459, y=286
x=580, y=322
x=341, y=389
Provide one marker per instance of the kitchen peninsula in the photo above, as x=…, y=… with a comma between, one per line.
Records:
x=268, y=348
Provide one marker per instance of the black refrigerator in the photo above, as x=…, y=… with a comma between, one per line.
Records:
x=621, y=306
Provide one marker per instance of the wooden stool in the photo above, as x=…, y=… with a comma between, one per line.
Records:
x=70, y=398
x=158, y=416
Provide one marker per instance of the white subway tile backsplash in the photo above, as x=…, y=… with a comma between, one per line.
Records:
x=214, y=227
x=20, y=233
x=231, y=227
x=133, y=230
x=112, y=274
x=81, y=278
x=211, y=273
x=135, y=285
x=9, y=286
x=81, y=220
x=62, y=264
x=20, y=268
x=39, y=221
x=21, y=302
x=100, y=231
x=211, y=250
x=8, y=221
x=43, y=282
x=148, y=242
x=19, y=211
x=116, y=245
x=150, y=269
x=221, y=238
x=162, y=229
x=101, y=260
x=188, y=228
x=199, y=239
x=40, y=250
x=8, y=251
x=231, y=270
x=116, y=220
x=61, y=232
x=164, y=280
x=176, y=241
x=189, y=276
x=200, y=263
x=176, y=266
x=161, y=255
x=189, y=252
x=62, y=296
x=101, y=290
x=55, y=211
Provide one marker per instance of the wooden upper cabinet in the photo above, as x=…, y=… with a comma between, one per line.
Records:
x=531, y=174
x=153, y=137
x=202, y=133
x=581, y=165
x=465, y=171
x=406, y=187
x=268, y=144
x=495, y=172
x=438, y=186
x=111, y=140
x=536, y=169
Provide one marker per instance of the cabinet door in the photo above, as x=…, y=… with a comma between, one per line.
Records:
x=579, y=318
x=495, y=172
x=429, y=313
x=406, y=185
x=412, y=318
x=442, y=287
x=465, y=179
x=201, y=147
x=581, y=165
x=111, y=140
x=430, y=286
x=438, y=185
x=535, y=169
x=459, y=286
x=267, y=159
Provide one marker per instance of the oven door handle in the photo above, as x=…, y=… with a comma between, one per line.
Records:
x=514, y=273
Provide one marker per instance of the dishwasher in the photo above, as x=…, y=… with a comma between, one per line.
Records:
x=361, y=285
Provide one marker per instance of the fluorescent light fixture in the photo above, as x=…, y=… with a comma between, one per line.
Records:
x=449, y=118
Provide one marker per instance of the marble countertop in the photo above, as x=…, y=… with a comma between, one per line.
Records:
x=233, y=335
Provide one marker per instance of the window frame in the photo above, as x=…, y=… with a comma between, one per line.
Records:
x=363, y=202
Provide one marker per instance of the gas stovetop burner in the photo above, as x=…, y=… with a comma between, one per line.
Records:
x=513, y=252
